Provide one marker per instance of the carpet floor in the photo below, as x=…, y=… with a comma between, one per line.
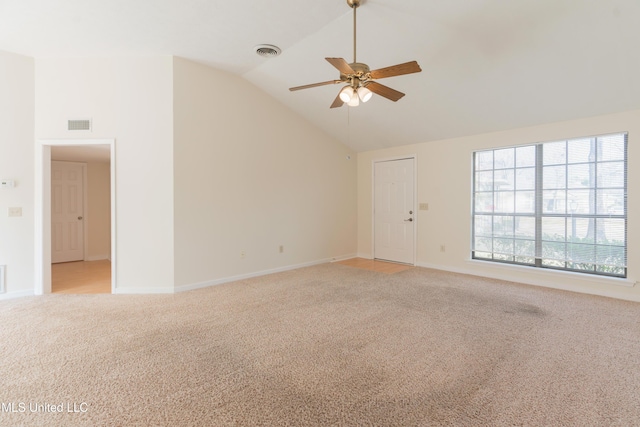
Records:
x=327, y=345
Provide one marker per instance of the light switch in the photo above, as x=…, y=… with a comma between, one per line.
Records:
x=15, y=211
x=424, y=206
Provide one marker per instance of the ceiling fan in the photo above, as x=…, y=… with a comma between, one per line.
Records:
x=359, y=79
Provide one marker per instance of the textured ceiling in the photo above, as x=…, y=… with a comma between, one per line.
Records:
x=487, y=65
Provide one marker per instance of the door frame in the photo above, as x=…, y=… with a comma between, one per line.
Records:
x=42, y=209
x=85, y=208
x=413, y=157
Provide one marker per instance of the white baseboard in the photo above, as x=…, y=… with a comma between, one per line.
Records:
x=449, y=269
x=221, y=281
x=365, y=256
x=142, y=291
x=16, y=294
x=98, y=257
x=343, y=257
x=549, y=279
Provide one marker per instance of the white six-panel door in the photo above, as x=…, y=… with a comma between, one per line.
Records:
x=394, y=210
x=67, y=212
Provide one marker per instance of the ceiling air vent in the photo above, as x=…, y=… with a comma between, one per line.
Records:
x=267, y=50
x=79, y=124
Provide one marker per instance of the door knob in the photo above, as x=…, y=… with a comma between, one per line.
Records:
x=410, y=219
x=79, y=217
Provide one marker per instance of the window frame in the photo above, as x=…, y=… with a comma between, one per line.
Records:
x=538, y=260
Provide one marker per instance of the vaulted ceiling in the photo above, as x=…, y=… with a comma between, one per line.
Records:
x=487, y=65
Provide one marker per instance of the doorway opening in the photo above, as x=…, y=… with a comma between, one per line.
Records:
x=75, y=216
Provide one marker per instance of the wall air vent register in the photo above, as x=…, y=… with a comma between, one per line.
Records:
x=79, y=124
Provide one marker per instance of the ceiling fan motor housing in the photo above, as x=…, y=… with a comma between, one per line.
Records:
x=361, y=72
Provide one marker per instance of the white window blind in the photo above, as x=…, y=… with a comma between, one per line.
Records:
x=559, y=204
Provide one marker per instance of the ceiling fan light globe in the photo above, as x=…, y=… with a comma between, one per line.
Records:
x=355, y=101
x=364, y=94
x=347, y=94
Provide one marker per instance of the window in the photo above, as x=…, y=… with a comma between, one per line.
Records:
x=560, y=205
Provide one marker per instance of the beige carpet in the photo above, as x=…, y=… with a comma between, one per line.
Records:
x=328, y=345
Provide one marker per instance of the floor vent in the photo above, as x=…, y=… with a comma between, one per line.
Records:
x=82, y=124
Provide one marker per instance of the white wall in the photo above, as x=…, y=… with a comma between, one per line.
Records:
x=99, y=210
x=16, y=162
x=445, y=182
x=131, y=100
x=251, y=175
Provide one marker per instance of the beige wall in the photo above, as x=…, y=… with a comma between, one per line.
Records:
x=208, y=166
x=16, y=162
x=131, y=100
x=99, y=210
x=251, y=175
x=445, y=182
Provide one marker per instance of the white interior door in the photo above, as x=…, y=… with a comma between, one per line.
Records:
x=394, y=207
x=67, y=212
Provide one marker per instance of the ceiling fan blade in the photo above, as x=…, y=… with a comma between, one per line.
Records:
x=342, y=65
x=385, y=91
x=396, y=70
x=330, y=82
x=337, y=102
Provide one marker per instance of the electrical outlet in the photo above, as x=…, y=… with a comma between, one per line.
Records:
x=15, y=211
x=442, y=248
x=281, y=249
x=242, y=254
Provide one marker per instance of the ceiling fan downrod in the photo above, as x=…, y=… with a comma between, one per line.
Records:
x=354, y=5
